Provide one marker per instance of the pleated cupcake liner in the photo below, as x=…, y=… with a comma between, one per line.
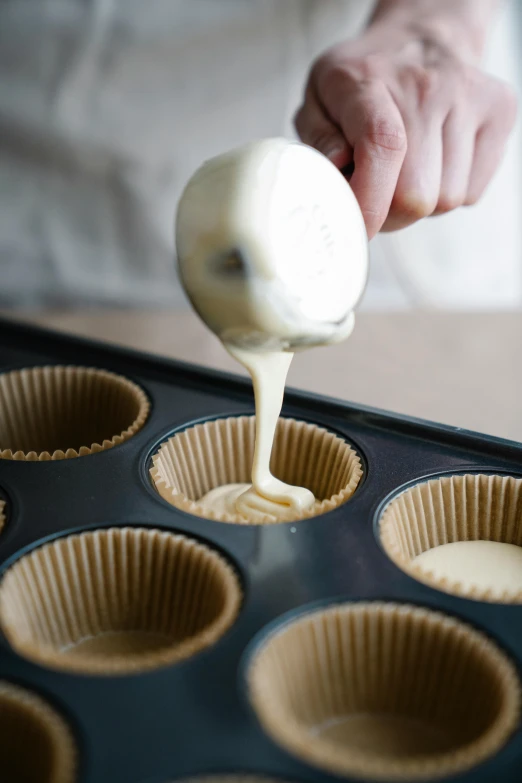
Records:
x=219, y=452
x=233, y=778
x=344, y=688
x=176, y=594
x=454, y=508
x=62, y=412
x=36, y=745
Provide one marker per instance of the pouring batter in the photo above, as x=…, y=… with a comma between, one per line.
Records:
x=273, y=254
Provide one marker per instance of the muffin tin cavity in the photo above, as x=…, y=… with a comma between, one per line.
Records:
x=3, y=514
x=36, y=745
x=118, y=600
x=219, y=452
x=384, y=691
x=236, y=778
x=58, y=412
x=458, y=508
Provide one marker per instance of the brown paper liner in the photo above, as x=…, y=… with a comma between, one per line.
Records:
x=35, y=744
x=385, y=692
x=193, y=462
x=453, y=508
x=234, y=778
x=52, y=413
x=118, y=600
x=2, y=514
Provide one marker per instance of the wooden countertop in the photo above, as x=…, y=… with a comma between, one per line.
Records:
x=457, y=368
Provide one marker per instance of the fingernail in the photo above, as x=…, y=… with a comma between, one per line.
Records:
x=333, y=152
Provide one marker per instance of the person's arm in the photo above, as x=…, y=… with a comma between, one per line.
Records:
x=406, y=103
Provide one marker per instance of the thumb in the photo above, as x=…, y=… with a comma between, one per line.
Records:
x=317, y=130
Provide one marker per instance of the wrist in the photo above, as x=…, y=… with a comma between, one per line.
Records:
x=460, y=26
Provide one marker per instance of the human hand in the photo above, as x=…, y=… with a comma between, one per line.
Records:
x=423, y=126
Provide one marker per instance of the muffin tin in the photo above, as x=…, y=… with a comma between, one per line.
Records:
x=192, y=706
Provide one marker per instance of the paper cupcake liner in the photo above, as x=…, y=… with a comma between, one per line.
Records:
x=36, y=745
x=219, y=452
x=384, y=692
x=118, y=600
x=52, y=413
x=449, y=509
x=234, y=778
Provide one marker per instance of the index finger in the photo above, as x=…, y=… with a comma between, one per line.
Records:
x=373, y=126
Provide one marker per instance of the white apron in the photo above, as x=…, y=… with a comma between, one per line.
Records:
x=107, y=107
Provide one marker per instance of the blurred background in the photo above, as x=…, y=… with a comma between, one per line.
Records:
x=106, y=109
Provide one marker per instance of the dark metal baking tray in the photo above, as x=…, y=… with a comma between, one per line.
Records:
x=193, y=717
